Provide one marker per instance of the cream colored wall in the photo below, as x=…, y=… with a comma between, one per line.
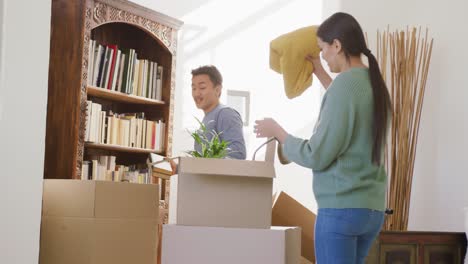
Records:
x=24, y=60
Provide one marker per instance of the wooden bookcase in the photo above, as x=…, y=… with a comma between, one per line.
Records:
x=73, y=25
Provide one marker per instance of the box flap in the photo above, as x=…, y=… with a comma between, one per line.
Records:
x=126, y=200
x=101, y=199
x=226, y=167
x=72, y=198
x=289, y=212
x=305, y=261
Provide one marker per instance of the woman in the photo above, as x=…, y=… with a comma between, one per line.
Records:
x=346, y=149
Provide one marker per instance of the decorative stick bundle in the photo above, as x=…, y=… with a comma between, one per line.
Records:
x=404, y=58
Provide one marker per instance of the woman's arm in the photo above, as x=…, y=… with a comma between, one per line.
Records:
x=319, y=71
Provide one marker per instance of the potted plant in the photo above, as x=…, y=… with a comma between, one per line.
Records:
x=210, y=148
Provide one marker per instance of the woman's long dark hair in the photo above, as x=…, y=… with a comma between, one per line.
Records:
x=346, y=29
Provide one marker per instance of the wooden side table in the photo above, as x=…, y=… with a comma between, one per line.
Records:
x=409, y=247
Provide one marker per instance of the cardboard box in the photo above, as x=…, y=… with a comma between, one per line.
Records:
x=289, y=212
x=100, y=199
x=222, y=193
x=99, y=222
x=305, y=261
x=74, y=240
x=215, y=245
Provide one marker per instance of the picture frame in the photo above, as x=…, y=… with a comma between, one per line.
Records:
x=240, y=101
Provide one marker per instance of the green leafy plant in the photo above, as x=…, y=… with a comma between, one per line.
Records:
x=210, y=148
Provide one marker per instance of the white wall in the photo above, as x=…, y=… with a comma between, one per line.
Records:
x=24, y=60
x=440, y=180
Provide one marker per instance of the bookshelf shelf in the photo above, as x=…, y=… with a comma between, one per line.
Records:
x=119, y=148
x=120, y=97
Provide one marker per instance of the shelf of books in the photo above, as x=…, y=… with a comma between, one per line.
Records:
x=122, y=75
x=116, y=134
x=130, y=132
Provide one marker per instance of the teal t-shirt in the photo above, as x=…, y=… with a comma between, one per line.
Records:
x=339, y=151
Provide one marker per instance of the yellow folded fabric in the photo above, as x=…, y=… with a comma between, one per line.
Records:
x=287, y=57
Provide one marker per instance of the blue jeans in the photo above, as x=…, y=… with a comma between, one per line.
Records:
x=344, y=236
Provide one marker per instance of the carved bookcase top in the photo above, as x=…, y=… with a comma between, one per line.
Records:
x=158, y=25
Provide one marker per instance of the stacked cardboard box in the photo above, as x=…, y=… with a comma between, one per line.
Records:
x=209, y=245
x=220, y=212
x=88, y=222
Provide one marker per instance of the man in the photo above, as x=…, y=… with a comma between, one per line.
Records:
x=207, y=84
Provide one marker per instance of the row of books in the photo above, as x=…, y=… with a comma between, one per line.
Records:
x=126, y=129
x=120, y=70
x=104, y=168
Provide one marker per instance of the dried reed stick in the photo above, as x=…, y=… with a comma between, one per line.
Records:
x=404, y=59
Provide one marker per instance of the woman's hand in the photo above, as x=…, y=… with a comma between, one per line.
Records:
x=316, y=62
x=268, y=127
x=319, y=71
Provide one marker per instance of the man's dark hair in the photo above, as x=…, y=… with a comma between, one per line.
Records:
x=211, y=71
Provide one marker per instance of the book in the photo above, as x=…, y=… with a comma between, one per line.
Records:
x=125, y=71
x=159, y=83
x=131, y=73
x=91, y=55
x=98, y=62
x=103, y=66
x=114, y=69
x=154, y=75
x=150, y=80
x=107, y=66
x=120, y=73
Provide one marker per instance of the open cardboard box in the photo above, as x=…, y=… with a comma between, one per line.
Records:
x=222, y=193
